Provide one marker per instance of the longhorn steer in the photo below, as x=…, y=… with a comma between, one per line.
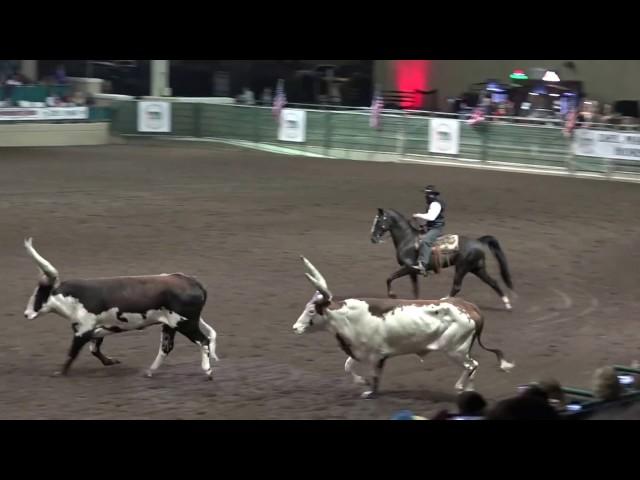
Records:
x=372, y=330
x=102, y=306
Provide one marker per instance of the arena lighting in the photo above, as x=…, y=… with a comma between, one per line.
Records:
x=551, y=76
x=519, y=75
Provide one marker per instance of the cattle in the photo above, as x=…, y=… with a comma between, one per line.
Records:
x=371, y=330
x=98, y=307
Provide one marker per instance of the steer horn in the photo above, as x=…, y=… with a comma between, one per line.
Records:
x=316, y=278
x=49, y=270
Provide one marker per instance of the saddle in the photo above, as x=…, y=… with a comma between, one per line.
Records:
x=444, y=245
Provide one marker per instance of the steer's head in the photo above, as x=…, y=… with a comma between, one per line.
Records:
x=314, y=317
x=38, y=302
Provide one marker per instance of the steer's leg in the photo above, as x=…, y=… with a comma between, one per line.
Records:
x=76, y=345
x=211, y=335
x=461, y=357
x=166, y=345
x=191, y=329
x=348, y=368
x=375, y=382
x=95, y=351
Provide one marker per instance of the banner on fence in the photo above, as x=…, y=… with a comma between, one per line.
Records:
x=606, y=144
x=54, y=113
x=154, y=117
x=293, y=125
x=444, y=136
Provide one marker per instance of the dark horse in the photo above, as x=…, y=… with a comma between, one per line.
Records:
x=469, y=256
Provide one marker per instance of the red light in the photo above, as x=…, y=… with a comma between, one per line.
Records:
x=412, y=75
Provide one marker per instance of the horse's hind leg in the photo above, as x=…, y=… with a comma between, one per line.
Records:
x=399, y=273
x=461, y=271
x=481, y=273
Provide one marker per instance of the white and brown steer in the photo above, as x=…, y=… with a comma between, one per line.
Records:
x=371, y=330
x=99, y=307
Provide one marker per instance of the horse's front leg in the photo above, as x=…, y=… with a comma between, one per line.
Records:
x=414, y=284
x=405, y=270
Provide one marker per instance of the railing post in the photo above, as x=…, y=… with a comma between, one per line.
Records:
x=256, y=123
x=570, y=162
x=197, y=116
x=402, y=135
x=327, y=133
x=484, y=132
x=609, y=166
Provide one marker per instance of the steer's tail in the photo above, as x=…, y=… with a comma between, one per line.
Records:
x=504, y=365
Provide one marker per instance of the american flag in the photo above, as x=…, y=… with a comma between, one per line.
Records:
x=280, y=100
x=377, y=104
x=477, y=115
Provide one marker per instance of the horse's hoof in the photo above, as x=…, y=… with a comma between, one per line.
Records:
x=111, y=361
x=392, y=295
x=58, y=374
x=369, y=395
x=148, y=374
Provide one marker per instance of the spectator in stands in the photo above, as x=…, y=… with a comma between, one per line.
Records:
x=471, y=404
x=608, y=115
x=553, y=389
x=606, y=385
x=78, y=98
x=588, y=113
x=267, y=97
x=627, y=412
x=530, y=404
x=60, y=75
x=12, y=82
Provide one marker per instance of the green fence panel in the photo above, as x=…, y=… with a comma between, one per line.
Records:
x=401, y=133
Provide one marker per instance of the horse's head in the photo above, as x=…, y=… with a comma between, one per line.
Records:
x=381, y=225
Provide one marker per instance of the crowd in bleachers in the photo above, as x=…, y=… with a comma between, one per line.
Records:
x=52, y=90
x=614, y=395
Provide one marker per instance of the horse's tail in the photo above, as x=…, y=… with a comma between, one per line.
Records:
x=494, y=246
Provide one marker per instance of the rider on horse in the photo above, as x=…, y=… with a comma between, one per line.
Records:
x=434, y=217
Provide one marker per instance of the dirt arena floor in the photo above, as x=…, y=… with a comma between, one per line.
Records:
x=238, y=219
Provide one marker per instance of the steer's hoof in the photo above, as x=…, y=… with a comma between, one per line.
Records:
x=148, y=374
x=59, y=373
x=368, y=395
x=111, y=361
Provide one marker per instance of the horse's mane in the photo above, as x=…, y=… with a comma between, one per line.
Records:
x=399, y=216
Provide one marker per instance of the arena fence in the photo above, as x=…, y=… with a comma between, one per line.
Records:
x=344, y=133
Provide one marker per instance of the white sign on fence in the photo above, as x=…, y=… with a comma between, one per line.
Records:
x=54, y=113
x=606, y=144
x=444, y=135
x=154, y=117
x=293, y=125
